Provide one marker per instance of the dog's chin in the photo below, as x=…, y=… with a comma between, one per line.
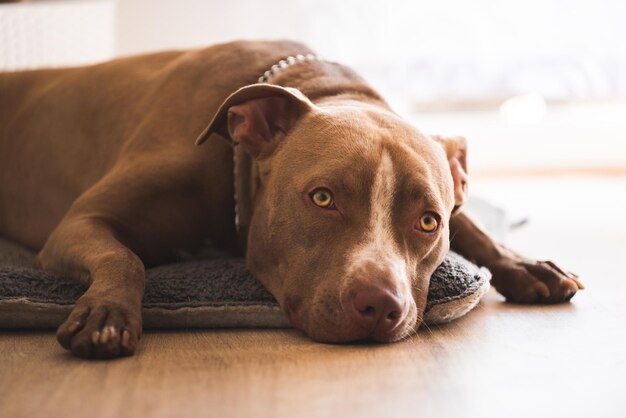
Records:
x=354, y=336
x=331, y=333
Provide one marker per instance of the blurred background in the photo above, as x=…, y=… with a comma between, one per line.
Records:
x=537, y=86
x=534, y=84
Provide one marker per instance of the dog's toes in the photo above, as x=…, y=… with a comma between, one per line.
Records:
x=516, y=285
x=108, y=341
x=562, y=287
x=82, y=343
x=100, y=330
x=119, y=336
x=72, y=325
x=529, y=291
x=526, y=281
x=130, y=339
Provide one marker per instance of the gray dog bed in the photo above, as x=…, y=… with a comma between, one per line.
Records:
x=213, y=293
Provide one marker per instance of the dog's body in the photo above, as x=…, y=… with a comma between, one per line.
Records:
x=98, y=170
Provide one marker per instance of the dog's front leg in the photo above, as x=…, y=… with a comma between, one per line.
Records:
x=106, y=320
x=517, y=278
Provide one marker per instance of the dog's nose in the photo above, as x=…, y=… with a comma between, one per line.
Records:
x=377, y=309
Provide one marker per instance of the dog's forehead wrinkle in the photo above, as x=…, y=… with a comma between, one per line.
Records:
x=362, y=119
x=379, y=242
x=331, y=138
x=424, y=178
x=340, y=130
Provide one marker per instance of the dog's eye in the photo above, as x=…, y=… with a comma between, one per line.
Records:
x=428, y=222
x=323, y=198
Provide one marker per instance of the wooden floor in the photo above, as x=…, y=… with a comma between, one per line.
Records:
x=501, y=360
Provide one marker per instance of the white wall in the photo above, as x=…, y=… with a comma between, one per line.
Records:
x=56, y=33
x=413, y=50
x=453, y=49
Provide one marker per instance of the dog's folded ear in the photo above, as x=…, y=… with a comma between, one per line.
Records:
x=258, y=116
x=456, y=150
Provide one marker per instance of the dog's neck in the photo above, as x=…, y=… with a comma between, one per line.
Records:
x=286, y=63
x=246, y=184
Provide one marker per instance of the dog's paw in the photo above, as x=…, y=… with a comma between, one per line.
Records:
x=529, y=281
x=99, y=328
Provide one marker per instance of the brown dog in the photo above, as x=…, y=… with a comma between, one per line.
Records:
x=344, y=210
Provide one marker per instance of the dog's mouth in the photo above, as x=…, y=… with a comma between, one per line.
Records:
x=343, y=334
x=334, y=326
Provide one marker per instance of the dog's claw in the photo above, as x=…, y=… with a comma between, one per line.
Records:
x=126, y=339
x=575, y=279
x=105, y=335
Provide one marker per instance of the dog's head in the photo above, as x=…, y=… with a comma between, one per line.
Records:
x=351, y=209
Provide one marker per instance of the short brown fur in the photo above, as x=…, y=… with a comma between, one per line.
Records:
x=99, y=172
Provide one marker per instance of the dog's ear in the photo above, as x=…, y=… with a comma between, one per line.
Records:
x=456, y=150
x=258, y=116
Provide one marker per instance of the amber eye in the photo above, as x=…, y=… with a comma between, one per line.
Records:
x=429, y=222
x=323, y=198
